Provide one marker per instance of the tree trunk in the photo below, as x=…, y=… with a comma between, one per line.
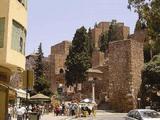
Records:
x=151, y=53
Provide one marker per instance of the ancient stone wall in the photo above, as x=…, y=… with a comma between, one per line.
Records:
x=97, y=58
x=125, y=65
x=126, y=32
x=99, y=61
x=59, y=61
x=137, y=63
x=61, y=48
x=96, y=33
x=104, y=26
x=122, y=32
x=58, y=57
x=140, y=35
x=121, y=67
x=105, y=82
x=58, y=64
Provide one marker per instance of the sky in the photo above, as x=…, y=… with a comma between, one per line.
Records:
x=52, y=21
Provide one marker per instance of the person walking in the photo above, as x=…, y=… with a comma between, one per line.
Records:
x=63, y=109
x=19, y=114
x=10, y=110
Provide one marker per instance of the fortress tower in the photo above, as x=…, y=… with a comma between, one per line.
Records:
x=125, y=64
x=58, y=57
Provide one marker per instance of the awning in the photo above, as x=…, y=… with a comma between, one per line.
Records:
x=21, y=93
x=40, y=97
x=91, y=70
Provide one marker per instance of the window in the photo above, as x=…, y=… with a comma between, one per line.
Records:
x=21, y=45
x=131, y=114
x=2, y=27
x=18, y=37
x=137, y=116
x=23, y=2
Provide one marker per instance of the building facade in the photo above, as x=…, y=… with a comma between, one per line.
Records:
x=31, y=64
x=13, y=30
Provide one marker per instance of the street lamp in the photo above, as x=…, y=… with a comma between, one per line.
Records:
x=93, y=91
x=60, y=92
x=92, y=80
x=94, y=74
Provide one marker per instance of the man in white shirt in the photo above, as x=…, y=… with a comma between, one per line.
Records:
x=20, y=113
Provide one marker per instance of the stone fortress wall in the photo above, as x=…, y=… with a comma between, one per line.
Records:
x=121, y=67
x=125, y=65
x=58, y=56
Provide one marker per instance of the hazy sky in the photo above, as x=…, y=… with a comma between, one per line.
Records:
x=52, y=21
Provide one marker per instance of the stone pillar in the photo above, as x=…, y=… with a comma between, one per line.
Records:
x=93, y=91
x=4, y=81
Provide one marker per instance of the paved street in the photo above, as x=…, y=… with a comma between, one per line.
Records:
x=105, y=116
x=101, y=115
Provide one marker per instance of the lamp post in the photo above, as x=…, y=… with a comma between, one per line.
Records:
x=92, y=80
x=93, y=75
x=60, y=92
x=93, y=91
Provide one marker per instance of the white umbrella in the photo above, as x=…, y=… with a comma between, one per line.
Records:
x=87, y=100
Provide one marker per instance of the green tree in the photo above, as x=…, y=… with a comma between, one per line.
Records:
x=112, y=31
x=41, y=84
x=151, y=81
x=147, y=52
x=95, y=25
x=140, y=26
x=39, y=68
x=104, y=42
x=90, y=43
x=78, y=60
x=149, y=16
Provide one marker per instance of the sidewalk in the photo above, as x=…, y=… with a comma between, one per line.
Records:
x=50, y=116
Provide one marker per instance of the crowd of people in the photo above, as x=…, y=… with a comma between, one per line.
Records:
x=65, y=109
x=75, y=109
x=23, y=112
